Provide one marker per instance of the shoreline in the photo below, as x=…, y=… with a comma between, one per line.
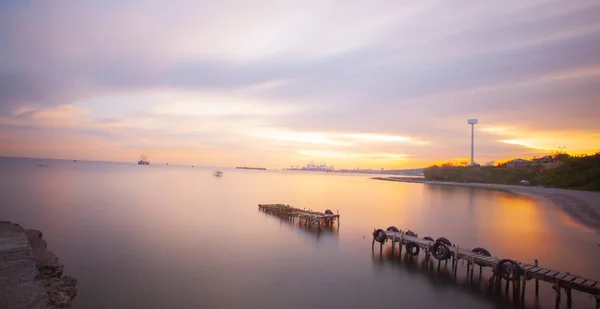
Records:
x=31, y=276
x=583, y=206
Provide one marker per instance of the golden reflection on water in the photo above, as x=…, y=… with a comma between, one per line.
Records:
x=515, y=226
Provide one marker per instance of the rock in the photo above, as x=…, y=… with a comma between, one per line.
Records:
x=30, y=275
x=58, y=299
x=61, y=291
x=19, y=287
x=69, y=281
x=48, y=264
x=32, y=234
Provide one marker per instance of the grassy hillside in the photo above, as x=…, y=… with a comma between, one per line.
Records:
x=581, y=173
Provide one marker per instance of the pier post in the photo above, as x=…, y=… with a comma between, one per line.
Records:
x=393, y=244
x=373, y=243
x=569, y=299
x=516, y=290
x=455, y=265
x=454, y=261
x=472, y=267
x=557, y=289
x=428, y=253
x=491, y=280
x=524, y=278
x=537, y=282
x=400, y=244
x=506, y=288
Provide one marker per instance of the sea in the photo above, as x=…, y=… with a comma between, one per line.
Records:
x=173, y=236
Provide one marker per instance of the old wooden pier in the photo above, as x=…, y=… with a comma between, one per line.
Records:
x=307, y=217
x=511, y=271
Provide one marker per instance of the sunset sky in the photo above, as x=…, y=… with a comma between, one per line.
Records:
x=370, y=84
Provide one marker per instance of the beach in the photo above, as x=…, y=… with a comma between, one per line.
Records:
x=583, y=206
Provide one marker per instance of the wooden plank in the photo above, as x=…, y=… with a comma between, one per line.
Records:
x=527, y=267
x=579, y=280
x=535, y=269
x=543, y=271
x=590, y=283
x=552, y=273
x=486, y=263
x=569, y=278
x=561, y=275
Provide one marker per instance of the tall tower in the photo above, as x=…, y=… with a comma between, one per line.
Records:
x=472, y=122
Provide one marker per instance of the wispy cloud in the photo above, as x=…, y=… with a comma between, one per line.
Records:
x=362, y=81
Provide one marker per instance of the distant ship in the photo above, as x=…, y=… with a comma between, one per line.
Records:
x=251, y=168
x=218, y=174
x=143, y=160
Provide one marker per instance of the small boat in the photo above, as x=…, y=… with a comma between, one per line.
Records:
x=143, y=160
x=218, y=174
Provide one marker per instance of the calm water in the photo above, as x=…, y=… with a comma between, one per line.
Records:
x=178, y=237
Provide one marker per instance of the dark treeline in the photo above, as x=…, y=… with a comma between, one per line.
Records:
x=562, y=171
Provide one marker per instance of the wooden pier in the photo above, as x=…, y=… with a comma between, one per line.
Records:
x=511, y=271
x=309, y=217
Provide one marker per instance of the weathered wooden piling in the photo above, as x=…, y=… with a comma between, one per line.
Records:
x=503, y=269
x=537, y=282
x=524, y=285
x=307, y=218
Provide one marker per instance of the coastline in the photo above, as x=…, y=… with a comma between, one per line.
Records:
x=584, y=206
x=30, y=275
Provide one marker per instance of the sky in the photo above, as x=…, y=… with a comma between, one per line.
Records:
x=369, y=84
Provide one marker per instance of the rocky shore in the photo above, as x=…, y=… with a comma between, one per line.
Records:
x=31, y=276
x=584, y=206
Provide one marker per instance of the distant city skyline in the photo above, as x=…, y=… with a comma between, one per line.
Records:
x=273, y=84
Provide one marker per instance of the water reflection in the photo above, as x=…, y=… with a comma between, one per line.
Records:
x=168, y=236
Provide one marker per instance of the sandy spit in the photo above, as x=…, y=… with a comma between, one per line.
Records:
x=581, y=205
